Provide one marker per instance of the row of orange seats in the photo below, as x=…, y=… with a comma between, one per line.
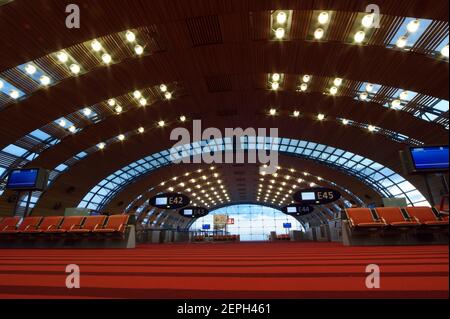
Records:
x=199, y=238
x=226, y=237
x=395, y=217
x=283, y=237
x=61, y=225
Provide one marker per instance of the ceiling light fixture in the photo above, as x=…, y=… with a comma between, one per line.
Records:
x=444, y=51
x=367, y=20
x=363, y=96
x=143, y=101
x=111, y=102
x=359, y=36
x=333, y=90
x=306, y=78
x=323, y=17
x=281, y=17
x=296, y=113
x=141, y=130
x=318, y=34
x=168, y=95
x=30, y=69
x=106, y=58
x=118, y=109
x=101, y=145
x=272, y=112
x=121, y=137
x=369, y=87
x=413, y=26
x=279, y=33
x=303, y=87
x=45, y=80
x=96, y=45
x=131, y=37
x=275, y=85
x=182, y=118
x=137, y=94
x=139, y=49
x=320, y=116
x=337, y=81
x=75, y=68
x=87, y=111
x=62, y=57
x=275, y=77
x=401, y=42
x=161, y=123
x=345, y=121
x=72, y=129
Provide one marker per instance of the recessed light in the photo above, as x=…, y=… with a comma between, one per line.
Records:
x=182, y=118
x=303, y=87
x=444, y=51
x=87, y=111
x=111, y=102
x=281, y=17
x=275, y=77
x=30, y=69
x=161, y=123
x=45, y=80
x=62, y=57
x=333, y=90
x=139, y=49
x=96, y=45
x=118, y=109
x=75, y=68
x=279, y=33
x=367, y=20
x=272, y=111
x=363, y=96
x=62, y=123
x=163, y=87
x=345, y=121
x=72, y=129
x=168, y=95
x=318, y=34
x=413, y=26
x=101, y=145
x=396, y=103
x=106, y=58
x=323, y=17
x=359, y=36
x=401, y=42
x=143, y=101
x=131, y=37
x=296, y=113
x=371, y=128
x=320, y=116
x=306, y=78
x=137, y=94
x=141, y=130
x=369, y=87
x=121, y=137
x=275, y=85
x=403, y=95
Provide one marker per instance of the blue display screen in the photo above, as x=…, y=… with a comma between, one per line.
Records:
x=206, y=226
x=24, y=178
x=430, y=158
x=287, y=225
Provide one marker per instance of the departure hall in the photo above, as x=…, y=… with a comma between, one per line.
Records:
x=216, y=149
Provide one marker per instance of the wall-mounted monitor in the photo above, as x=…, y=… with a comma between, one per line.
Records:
x=426, y=159
x=169, y=201
x=308, y=196
x=28, y=179
x=206, y=226
x=193, y=212
x=316, y=196
x=287, y=225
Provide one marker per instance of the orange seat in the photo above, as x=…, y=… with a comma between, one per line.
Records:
x=394, y=217
x=426, y=216
x=49, y=222
x=362, y=217
x=91, y=223
x=67, y=224
x=114, y=224
x=28, y=223
x=9, y=223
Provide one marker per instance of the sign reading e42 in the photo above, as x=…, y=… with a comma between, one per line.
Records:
x=170, y=201
x=317, y=196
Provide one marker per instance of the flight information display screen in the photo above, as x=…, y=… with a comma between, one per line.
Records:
x=24, y=178
x=287, y=225
x=430, y=157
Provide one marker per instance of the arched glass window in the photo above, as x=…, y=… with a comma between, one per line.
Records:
x=251, y=222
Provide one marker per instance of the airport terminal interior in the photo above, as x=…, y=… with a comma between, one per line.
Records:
x=183, y=149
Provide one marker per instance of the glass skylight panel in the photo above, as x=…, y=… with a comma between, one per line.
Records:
x=7, y=88
x=14, y=150
x=442, y=105
x=411, y=37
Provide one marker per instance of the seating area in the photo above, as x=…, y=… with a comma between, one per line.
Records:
x=52, y=231
x=219, y=238
x=283, y=237
x=395, y=225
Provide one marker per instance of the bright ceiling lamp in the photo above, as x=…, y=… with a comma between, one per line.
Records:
x=279, y=33
x=87, y=111
x=359, y=36
x=106, y=58
x=111, y=102
x=401, y=42
x=101, y=145
x=306, y=78
x=296, y=113
x=337, y=81
x=367, y=20
x=320, y=116
x=363, y=96
x=303, y=87
x=369, y=87
x=72, y=129
x=275, y=85
x=281, y=17
x=30, y=69
x=168, y=95
x=62, y=123
x=141, y=130
x=1, y=84
x=396, y=103
x=161, y=123
x=333, y=90
x=139, y=49
x=62, y=57
x=323, y=17
x=345, y=121
x=182, y=118
x=14, y=94
x=96, y=45
x=276, y=77
x=413, y=26
x=75, y=68
x=121, y=137
x=131, y=37
x=371, y=128
x=137, y=94
x=272, y=112
x=403, y=95
x=143, y=101
x=163, y=87
x=444, y=51
x=45, y=80
x=318, y=34
x=118, y=109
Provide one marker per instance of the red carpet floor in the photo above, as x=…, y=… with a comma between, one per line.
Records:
x=235, y=270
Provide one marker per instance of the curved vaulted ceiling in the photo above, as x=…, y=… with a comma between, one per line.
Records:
x=217, y=59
